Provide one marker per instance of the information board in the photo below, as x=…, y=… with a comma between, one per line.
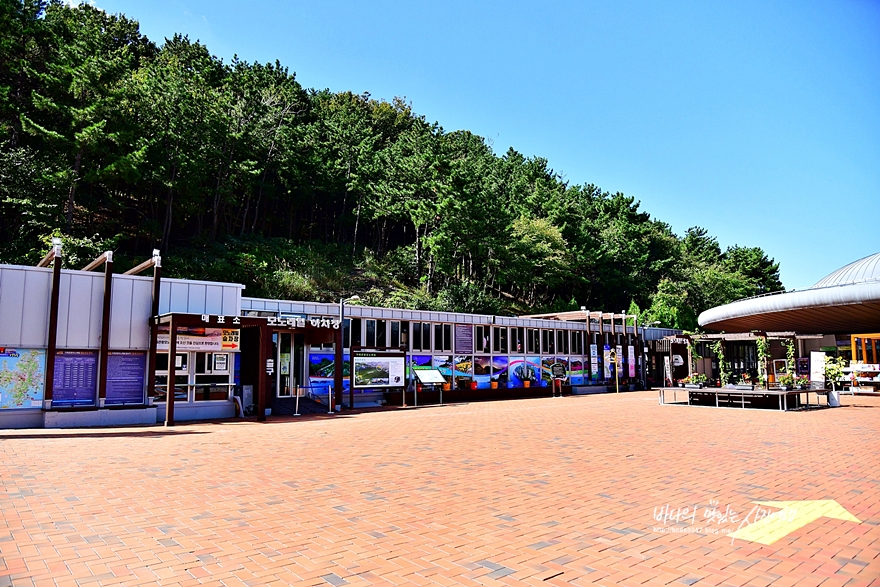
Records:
x=558, y=371
x=464, y=339
x=21, y=378
x=430, y=376
x=126, y=374
x=377, y=370
x=76, y=377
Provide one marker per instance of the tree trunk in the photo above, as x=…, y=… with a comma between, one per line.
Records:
x=357, y=220
x=71, y=194
x=166, y=232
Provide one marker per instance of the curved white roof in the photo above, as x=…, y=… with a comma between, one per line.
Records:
x=865, y=269
x=846, y=301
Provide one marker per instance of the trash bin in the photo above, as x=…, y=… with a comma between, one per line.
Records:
x=834, y=398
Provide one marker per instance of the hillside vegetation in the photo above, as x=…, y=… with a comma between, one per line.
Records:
x=238, y=173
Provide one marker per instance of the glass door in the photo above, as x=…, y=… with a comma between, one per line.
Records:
x=285, y=383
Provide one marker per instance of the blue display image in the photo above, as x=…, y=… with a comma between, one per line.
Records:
x=126, y=374
x=76, y=377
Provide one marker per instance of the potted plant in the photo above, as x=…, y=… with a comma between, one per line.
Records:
x=745, y=383
x=695, y=381
x=834, y=373
x=802, y=382
x=786, y=381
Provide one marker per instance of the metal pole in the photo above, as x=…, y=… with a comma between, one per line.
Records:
x=296, y=388
x=330, y=399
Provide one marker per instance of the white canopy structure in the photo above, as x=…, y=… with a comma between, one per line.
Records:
x=846, y=301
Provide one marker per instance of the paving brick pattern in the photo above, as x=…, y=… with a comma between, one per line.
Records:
x=529, y=492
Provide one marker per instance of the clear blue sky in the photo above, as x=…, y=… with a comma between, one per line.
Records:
x=757, y=120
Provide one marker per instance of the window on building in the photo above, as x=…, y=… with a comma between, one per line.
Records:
x=416, y=336
x=395, y=334
x=355, y=332
x=548, y=342
x=381, y=333
x=499, y=339
x=371, y=334
x=533, y=341
x=577, y=342
x=517, y=340
x=481, y=339
x=421, y=336
x=443, y=337
x=562, y=342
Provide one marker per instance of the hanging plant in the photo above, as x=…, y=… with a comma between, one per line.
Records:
x=724, y=373
x=763, y=347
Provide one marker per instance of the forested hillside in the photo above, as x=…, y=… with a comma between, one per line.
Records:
x=236, y=172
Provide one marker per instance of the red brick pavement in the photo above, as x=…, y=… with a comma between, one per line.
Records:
x=529, y=492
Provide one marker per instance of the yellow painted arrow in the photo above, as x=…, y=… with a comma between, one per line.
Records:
x=767, y=527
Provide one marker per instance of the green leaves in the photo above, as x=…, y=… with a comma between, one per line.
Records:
x=240, y=174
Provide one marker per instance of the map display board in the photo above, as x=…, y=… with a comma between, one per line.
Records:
x=378, y=370
x=76, y=378
x=22, y=373
x=126, y=375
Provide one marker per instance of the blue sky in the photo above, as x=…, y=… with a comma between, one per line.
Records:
x=759, y=121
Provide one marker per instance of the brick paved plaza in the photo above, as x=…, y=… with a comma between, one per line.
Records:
x=531, y=492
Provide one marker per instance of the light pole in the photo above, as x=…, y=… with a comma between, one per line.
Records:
x=645, y=347
x=339, y=355
x=613, y=354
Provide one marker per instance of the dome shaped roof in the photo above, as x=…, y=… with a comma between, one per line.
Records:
x=867, y=269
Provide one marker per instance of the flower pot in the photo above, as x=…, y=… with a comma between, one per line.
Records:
x=745, y=387
x=527, y=383
x=446, y=387
x=694, y=385
x=493, y=385
x=473, y=384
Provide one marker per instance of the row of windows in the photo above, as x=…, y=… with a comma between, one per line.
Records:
x=428, y=336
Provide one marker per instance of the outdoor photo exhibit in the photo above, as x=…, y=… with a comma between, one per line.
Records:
x=76, y=378
x=576, y=371
x=444, y=364
x=463, y=367
x=378, y=370
x=22, y=372
x=606, y=362
x=126, y=374
x=500, y=366
x=533, y=365
x=518, y=372
x=321, y=366
x=631, y=360
x=482, y=371
x=546, y=372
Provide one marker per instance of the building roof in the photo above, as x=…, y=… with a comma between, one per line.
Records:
x=846, y=301
x=866, y=269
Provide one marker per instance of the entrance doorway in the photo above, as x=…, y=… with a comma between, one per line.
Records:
x=289, y=349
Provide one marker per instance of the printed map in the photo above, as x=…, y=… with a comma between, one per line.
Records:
x=21, y=378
